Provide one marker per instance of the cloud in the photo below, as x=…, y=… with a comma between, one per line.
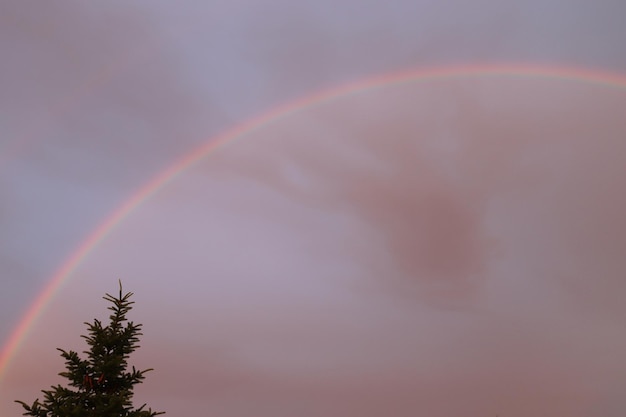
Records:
x=428, y=171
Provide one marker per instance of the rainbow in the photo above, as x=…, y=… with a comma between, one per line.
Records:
x=62, y=275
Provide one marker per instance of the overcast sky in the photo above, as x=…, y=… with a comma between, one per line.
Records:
x=451, y=247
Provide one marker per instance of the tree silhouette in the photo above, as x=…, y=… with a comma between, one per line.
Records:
x=100, y=385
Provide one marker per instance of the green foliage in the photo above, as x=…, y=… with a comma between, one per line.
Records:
x=101, y=385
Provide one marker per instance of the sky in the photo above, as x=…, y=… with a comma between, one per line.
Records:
x=447, y=246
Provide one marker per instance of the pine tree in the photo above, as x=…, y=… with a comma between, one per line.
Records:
x=100, y=385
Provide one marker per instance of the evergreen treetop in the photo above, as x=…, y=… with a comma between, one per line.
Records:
x=100, y=385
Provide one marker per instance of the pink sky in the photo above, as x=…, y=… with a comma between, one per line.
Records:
x=443, y=248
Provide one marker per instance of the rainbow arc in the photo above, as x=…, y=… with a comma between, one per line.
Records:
x=62, y=275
